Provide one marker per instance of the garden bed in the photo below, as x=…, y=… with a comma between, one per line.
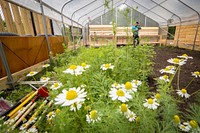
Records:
x=109, y=89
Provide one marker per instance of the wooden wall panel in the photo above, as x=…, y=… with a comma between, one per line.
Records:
x=8, y=17
x=41, y=24
x=2, y=28
x=37, y=25
x=23, y=52
x=48, y=25
x=26, y=20
x=18, y=21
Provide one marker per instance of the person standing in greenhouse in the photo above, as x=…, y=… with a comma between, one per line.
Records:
x=135, y=30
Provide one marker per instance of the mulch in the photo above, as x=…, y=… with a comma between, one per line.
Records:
x=160, y=60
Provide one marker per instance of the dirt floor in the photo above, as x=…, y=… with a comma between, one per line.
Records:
x=165, y=53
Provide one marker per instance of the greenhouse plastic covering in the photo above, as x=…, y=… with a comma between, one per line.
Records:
x=164, y=12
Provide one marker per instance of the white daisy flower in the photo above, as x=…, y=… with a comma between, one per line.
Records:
x=136, y=82
x=131, y=116
x=44, y=79
x=32, y=73
x=93, y=117
x=130, y=87
x=116, y=85
x=183, y=93
x=32, y=130
x=50, y=115
x=185, y=127
x=185, y=56
x=196, y=74
x=167, y=70
x=151, y=103
x=120, y=94
x=74, y=70
x=45, y=65
x=165, y=78
x=71, y=96
x=76, y=106
x=85, y=66
x=176, y=61
x=56, y=85
x=107, y=66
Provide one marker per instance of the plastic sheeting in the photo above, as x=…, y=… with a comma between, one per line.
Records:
x=164, y=12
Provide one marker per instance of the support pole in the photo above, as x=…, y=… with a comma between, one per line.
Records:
x=5, y=63
x=46, y=34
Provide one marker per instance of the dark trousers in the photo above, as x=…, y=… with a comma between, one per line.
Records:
x=135, y=38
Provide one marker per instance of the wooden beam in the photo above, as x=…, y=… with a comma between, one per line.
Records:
x=8, y=17
x=26, y=20
x=2, y=28
x=18, y=21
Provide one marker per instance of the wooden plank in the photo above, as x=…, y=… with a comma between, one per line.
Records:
x=2, y=28
x=48, y=25
x=8, y=17
x=21, y=75
x=26, y=20
x=17, y=18
x=36, y=21
x=41, y=24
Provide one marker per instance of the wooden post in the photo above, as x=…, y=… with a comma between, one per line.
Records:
x=36, y=21
x=8, y=17
x=26, y=20
x=2, y=28
x=18, y=22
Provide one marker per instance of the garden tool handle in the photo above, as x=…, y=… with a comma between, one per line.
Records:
x=22, y=104
x=15, y=105
x=24, y=115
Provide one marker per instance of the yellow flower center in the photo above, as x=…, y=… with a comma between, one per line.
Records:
x=183, y=127
x=184, y=91
x=88, y=108
x=176, y=60
x=193, y=124
x=56, y=84
x=137, y=119
x=116, y=84
x=120, y=93
x=185, y=55
x=176, y=119
x=71, y=94
x=31, y=73
x=167, y=69
x=136, y=82
x=124, y=108
x=197, y=73
x=165, y=77
x=150, y=101
x=128, y=85
x=107, y=65
x=83, y=64
x=170, y=67
x=44, y=78
x=93, y=114
x=57, y=111
x=73, y=67
x=50, y=113
x=157, y=96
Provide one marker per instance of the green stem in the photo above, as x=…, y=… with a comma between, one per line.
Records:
x=195, y=92
x=178, y=77
x=189, y=83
